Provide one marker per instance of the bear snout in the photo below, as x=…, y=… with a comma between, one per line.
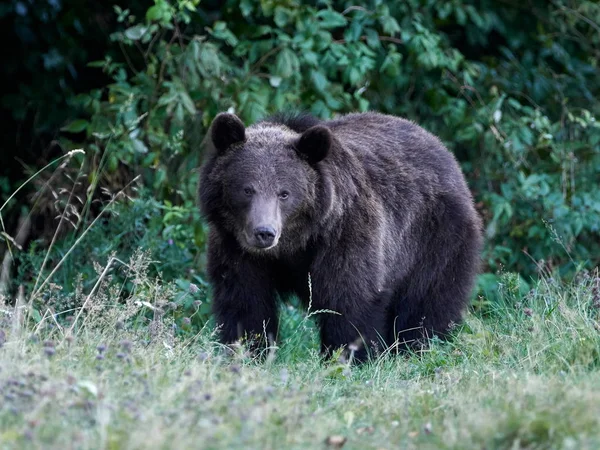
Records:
x=264, y=236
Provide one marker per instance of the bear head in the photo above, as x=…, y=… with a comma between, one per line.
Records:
x=261, y=183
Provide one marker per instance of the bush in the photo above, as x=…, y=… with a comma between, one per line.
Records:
x=511, y=94
x=511, y=91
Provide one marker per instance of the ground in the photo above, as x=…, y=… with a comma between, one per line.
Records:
x=522, y=372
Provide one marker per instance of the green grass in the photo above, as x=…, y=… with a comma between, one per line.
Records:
x=522, y=372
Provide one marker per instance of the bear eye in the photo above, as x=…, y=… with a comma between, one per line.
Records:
x=248, y=191
x=284, y=195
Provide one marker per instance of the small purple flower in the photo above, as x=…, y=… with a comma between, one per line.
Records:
x=170, y=241
x=126, y=345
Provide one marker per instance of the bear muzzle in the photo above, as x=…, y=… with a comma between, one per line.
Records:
x=264, y=236
x=263, y=224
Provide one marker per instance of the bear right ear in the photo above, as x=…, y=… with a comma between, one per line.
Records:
x=314, y=144
x=227, y=129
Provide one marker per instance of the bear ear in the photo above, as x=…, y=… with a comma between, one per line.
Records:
x=225, y=130
x=314, y=144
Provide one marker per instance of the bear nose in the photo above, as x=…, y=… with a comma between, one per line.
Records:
x=264, y=236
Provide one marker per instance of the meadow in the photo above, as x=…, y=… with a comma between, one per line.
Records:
x=521, y=372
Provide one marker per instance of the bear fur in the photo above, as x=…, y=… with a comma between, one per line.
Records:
x=372, y=206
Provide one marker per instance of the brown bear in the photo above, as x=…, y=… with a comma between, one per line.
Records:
x=372, y=206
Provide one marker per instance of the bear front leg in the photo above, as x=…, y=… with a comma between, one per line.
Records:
x=244, y=298
x=359, y=336
x=353, y=319
x=245, y=312
x=343, y=282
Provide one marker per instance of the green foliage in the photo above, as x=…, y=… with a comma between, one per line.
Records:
x=171, y=236
x=512, y=94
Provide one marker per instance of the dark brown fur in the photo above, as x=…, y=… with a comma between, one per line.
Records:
x=378, y=212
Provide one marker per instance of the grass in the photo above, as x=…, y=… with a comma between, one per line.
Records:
x=522, y=372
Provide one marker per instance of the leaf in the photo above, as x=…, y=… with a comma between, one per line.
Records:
x=497, y=115
x=391, y=64
x=319, y=80
x=354, y=75
x=154, y=13
x=331, y=19
x=286, y=64
x=333, y=102
x=246, y=7
x=187, y=102
x=77, y=126
x=220, y=31
x=275, y=81
x=363, y=104
x=282, y=16
x=353, y=32
x=139, y=146
x=390, y=25
x=372, y=38
x=208, y=62
x=312, y=59
x=136, y=32
x=36, y=316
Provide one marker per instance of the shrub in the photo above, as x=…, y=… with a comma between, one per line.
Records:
x=513, y=95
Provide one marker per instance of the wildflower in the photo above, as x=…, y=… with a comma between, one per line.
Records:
x=126, y=345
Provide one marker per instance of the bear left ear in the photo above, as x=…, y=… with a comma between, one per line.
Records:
x=225, y=130
x=314, y=143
